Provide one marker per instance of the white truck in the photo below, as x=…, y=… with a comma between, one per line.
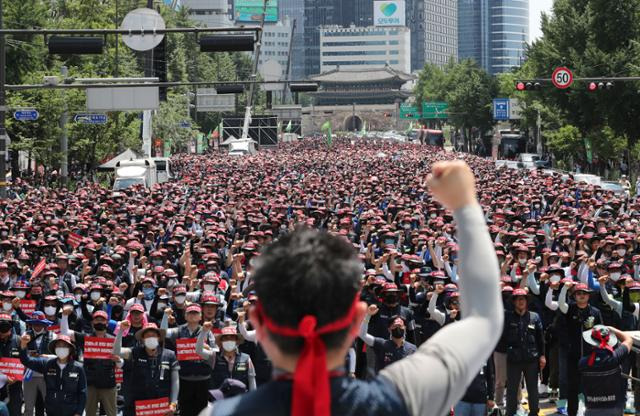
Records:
x=135, y=172
x=163, y=169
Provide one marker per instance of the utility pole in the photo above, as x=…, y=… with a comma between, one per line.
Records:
x=288, y=73
x=254, y=75
x=3, y=110
x=64, y=143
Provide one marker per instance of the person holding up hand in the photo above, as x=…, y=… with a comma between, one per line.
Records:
x=387, y=351
x=64, y=376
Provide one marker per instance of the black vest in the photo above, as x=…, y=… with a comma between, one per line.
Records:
x=602, y=387
x=520, y=337
x=62, y=386
x=151, y=376
x=101, y=374
x=192, y=368
x=221, y=370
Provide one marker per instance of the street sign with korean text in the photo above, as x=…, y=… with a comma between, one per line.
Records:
x=29, y=114
x=501, y=109
x=90, y=118
x=409, y=112
x=435, y=110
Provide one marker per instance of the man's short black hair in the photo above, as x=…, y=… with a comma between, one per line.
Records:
x=307, y=272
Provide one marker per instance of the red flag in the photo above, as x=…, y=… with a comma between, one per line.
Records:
x=39, y=268
x=74, y=240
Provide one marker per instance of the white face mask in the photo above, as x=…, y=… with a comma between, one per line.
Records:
x=39, y=331
x=21, y=294
x=615, y=276
x=229, y=345
x=432, y=216
x=522, y=261
x=7, y=306
x=50, y=310
x=162, y=306
x=78, y=298
x=62, y=352
x=151, y=343
x=555, y=278
x=208, y=288
x=622, y=252
x=180, y=299
x=95, y=296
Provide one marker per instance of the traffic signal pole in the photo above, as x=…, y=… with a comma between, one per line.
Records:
x=3, y=110
x=254, y=75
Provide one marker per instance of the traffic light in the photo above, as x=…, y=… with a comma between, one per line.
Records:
x=75, y=45
x=230, y=89
x=160, y=66
x=227, y=43
x=303, y=87
x=528, y=86
x=599, y=85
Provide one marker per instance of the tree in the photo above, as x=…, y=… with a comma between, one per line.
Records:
x=566, y=143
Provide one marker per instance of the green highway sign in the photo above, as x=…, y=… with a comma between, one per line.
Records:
x=435, y=110
x=409, y=112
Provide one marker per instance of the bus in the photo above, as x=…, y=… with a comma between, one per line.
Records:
x=430, y=137
x=512, y=143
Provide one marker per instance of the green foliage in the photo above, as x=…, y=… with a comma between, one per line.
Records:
x=29, y=62
x=594, y=38
x=467, y=88
x=566, y=140
x=166, y=123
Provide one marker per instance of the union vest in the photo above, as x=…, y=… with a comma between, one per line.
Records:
x=221, y=371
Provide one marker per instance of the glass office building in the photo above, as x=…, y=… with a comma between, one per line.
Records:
x=493, y=32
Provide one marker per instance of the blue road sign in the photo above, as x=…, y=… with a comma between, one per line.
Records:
x=26, y=115
x=90, y=118
x=185, y=124
x=501, y=109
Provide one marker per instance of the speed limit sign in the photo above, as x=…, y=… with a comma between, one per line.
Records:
x=562, y=78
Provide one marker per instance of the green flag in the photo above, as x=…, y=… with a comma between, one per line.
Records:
x=167, y=148
x=279, y=126
x=289, y=127
x=589, y=149
x=327, y=127
x=199, y=140
x=364, y=128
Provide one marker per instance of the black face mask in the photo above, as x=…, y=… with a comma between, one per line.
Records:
x=5, y=327
x=391, y=300
x=397, y=332
x=100, y=327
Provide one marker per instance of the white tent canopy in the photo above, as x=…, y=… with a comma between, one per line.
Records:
x=126, y=155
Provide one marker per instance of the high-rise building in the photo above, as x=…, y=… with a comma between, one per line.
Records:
x=294, y=9
x=276, y=40
x=210, y=13
x=318, y=13
x=493, y=32
x=364, y=48
x=434, y=31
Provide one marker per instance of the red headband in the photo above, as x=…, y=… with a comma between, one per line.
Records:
x=311, y=395
x=604, y=345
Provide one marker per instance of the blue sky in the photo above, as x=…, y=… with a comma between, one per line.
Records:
x=535, y=8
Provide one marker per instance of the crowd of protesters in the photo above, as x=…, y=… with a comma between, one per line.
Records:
x=142, y=297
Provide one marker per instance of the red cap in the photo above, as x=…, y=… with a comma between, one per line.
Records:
x=194, y=308
x=136, y=307
x=100, y=314
x=581, y=287
x=228, y=330
x=519, y=292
